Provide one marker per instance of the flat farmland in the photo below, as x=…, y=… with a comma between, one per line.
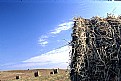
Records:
x=28, y=75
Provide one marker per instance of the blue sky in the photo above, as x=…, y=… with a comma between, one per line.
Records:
x=35, y=28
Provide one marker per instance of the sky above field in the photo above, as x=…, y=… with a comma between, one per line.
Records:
x=35, y=33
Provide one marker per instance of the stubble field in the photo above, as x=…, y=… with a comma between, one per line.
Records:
x=28, y=75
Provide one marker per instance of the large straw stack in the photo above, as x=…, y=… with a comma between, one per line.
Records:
x=96, y=49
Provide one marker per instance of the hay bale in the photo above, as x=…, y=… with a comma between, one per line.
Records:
x=51, y=72
x=36, y=74
x=55, y=71
x=17, y=77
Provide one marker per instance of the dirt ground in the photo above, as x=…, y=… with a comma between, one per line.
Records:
x=28, y=75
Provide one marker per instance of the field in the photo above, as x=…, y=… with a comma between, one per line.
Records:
x=28, y=75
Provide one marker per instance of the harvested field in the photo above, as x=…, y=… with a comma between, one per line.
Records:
x=28, y=75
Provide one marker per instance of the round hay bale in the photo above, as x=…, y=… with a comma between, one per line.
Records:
x=51, y=72
x=17, y=77
x=36, y=74
x=55, y=71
